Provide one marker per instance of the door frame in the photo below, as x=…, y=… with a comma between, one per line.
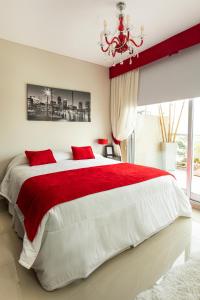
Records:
x=190, y=153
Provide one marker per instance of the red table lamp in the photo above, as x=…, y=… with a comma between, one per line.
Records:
x=102, y=141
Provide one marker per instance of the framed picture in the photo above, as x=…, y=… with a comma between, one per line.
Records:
x=52, y=104
x=109, y=151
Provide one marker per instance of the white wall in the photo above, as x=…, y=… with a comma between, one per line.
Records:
x=20, y=65
x=147, y=141
x=171, y=78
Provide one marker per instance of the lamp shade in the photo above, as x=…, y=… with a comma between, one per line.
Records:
x=103, y=141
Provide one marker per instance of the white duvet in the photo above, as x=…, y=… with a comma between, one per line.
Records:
x=76, y=237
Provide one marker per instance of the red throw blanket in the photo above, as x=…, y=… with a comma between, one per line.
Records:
x=40, y=193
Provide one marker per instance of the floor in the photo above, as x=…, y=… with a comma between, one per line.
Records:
x=120, y=278
x=181, y=176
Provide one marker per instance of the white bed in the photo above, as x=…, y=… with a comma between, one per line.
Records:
x=76, y=237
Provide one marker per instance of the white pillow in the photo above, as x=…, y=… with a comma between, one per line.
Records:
x=97, y=155
x=62, y=155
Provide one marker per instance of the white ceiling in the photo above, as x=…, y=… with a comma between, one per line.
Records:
x=72, y=27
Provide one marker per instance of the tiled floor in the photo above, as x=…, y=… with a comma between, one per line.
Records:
x=181, y=176
x=120, y=278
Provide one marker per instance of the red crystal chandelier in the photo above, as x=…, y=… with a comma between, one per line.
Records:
x=122, y=44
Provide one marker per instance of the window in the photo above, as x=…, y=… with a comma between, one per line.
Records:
x=149, y=137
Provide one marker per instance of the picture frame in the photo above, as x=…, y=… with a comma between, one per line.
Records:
x=59, y=105
x=109, y=151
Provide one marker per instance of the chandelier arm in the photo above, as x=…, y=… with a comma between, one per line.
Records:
x=122, y=45
x=137, y=45
x=114, y=40
x=113, y=53
x=104, y=50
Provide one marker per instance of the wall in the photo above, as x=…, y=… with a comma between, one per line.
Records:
x=172, y=78
x=147, y=141
x=20, y=65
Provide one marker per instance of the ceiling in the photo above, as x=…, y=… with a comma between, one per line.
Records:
x=72, y=27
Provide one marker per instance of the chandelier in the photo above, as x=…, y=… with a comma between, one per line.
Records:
x=122, y=43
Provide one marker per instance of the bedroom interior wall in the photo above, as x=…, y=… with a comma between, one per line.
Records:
x=20, y=65
x=171, y=78
x=147, y=141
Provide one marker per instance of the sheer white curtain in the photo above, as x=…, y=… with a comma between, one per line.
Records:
x=124, y=91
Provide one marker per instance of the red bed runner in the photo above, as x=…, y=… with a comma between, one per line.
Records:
x=40, y=193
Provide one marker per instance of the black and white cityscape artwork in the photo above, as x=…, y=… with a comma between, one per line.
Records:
x=51, y=104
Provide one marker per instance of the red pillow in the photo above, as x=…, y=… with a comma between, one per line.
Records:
x=43, y=157
x=82, y=152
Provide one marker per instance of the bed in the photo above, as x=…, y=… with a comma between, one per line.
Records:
x=76, y=237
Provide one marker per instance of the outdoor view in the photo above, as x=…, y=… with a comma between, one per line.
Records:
x=196, y=141
x=182, y=139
